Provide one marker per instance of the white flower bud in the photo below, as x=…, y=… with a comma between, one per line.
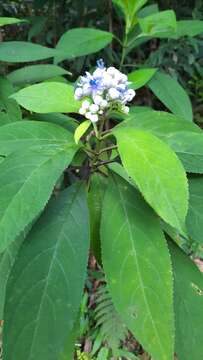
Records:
x=98, y=99
x=104, y=104
x=111, y=70
x=125, y=109
x=94, y=108
x=98, y=73
x=113, y=94
x=82, y=111
x=88, y=115
x=85, y=104
x=130, y=94
x=78, y=93
x=107, y=80
x=86, y=90
x=94, y=118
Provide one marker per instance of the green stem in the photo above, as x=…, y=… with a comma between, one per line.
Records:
x=125, y=42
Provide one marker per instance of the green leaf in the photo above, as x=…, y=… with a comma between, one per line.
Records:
x=140, y=77
x=189, y=28
x=81, y=130
x=171, y=93
x=48, y=97
x=26, y=183
x=25, y=134
x=81, y=41
x=9, y=21
x=184, y=137
x=46, y=284
x=95, y=199
x=22, y=51
x=129, y=9
x=194, y=220
x=188, y=295
x=131, y=238
x=161, y=24
x=151, y=164
x=35, y=73
x=9, y=109
x=7, y=260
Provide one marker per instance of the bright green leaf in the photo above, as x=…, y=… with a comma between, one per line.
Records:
x=151, y=164
x=140, y=77
x=46, y=284
x=136, y=275
x=9, y=21
x=26, y=183
x=48, y=97
x=171, y=93
x=64, y=121
x=35, y=73
x=22, y=51
x=194, y=220
x=129, y=9
x=22, y=135
x=81, y=41
x=81, y=130
x=188, y=295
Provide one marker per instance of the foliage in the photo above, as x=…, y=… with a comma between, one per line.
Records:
x=80, y=171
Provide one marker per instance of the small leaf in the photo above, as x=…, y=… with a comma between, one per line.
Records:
x=25, y=134
x=151, y=164
x=22, y=51
x=81, y=129
x=140, y=77
x=188, y=296
x=129, y=9
x=171, y=93
x=81, y=41
x=48, y=97
x=9, y=21
x=47, y=280
x=131, y=237
x=26, y=183
x=161, y=24
x=195, y=213
x=35, y=73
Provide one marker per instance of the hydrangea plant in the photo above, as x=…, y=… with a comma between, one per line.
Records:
x=82, y=173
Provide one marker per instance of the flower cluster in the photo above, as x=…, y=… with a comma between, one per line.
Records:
x=106, y=88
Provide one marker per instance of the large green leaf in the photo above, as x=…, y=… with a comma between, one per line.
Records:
x=9, y=21
x=184, y=137
x=137, y=267
x=172, y=94
x=25, y=134
x=152, y=165
x=22, y=51
x=161, y=24
x=195, y=213
x=188, y=295
x=46, y=284
x=95, y=199
x=35, y=73
x=81, y=41
x=189, y=28
x=140, y=77
x=26, y=182
x=9, y=109
x=48, y=97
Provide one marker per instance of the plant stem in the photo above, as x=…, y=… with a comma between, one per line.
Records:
x=125, y=41
x=107, y=149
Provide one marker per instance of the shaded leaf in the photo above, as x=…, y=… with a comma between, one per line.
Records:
x=47, y=280
x=131, y=237
x=195, y=212
x=172, y=94
x=9, y=109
